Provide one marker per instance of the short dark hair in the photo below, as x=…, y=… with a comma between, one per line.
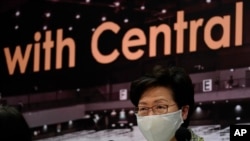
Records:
x=13, y=125
x=174, y=78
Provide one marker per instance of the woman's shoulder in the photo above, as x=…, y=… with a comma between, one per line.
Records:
x=195, y=137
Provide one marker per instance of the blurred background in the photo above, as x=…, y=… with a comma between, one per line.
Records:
x=49, y=72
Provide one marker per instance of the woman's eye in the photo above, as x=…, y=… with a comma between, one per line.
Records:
x=143, y=109
x=160, y=107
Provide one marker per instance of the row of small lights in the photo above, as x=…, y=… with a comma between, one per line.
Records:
x=214, y=102
x=58, y=128
x=201, y=67
x=78, y=16
x=238, y=109
x=112, y=113
x=87, y=116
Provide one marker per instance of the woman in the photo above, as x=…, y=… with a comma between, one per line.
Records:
x=164, y=102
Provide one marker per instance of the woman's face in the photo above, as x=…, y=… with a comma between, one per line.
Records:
x=161, y=96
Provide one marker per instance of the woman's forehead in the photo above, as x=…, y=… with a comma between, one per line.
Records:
x=157, y=94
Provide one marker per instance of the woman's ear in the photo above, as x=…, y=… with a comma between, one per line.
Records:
x=185, y=110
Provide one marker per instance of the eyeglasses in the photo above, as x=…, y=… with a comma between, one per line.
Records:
x=157, y=109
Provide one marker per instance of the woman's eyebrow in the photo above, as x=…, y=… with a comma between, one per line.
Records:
x=142, y=103
x=161, y=100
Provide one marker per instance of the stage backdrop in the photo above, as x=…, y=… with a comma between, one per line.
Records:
x=49, y=45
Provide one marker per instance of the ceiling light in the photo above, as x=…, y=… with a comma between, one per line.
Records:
x=78, y=16
x=45, y=27
x=131, y=112
x=47, y=15
x=238, y=108
x=78, y=90
x=163, y=11
x=16, y=27
x=17, y=13
x=70, y=28
x=70, y=122
x=58, y=128
x=126, y=20
x=104, y=18
x=208, y=1
x=113, y=113
x=142, y=7
x=45, y=128
x=117, y=4
x=198, y=109
x=35, y=133
x=238, y=118
x=87, y=116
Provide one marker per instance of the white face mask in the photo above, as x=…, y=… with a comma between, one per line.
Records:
x=160, y=127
